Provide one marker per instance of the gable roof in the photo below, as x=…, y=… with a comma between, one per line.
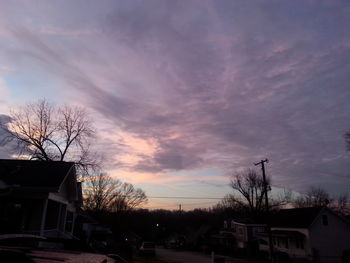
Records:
x=295, y=218
x=244, y=221
x=249, y=222
x=36, y=174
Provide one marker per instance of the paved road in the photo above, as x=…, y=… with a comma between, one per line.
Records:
x=172, y=256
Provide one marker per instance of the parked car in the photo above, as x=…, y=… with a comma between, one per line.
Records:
x=37, y=249
x=171, y=243
x=147, y=248
x=117, y=258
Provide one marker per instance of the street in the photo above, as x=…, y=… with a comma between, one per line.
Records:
x=172, y=256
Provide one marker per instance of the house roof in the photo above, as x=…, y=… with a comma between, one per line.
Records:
x=246, y=221
x=38, y=174
x=283, y=233
x=295, y=218
x=242, y=220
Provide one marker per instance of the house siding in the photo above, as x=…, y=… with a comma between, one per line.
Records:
x=329, y=241
x=293, y=251
x=246, y=235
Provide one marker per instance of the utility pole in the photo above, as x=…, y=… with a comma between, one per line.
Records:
x=262, y=163
x=180, y=207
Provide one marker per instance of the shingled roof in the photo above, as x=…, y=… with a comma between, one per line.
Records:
x=295, y=218
x=36, y=174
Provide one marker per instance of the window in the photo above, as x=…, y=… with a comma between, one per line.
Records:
x=233, y=228
x=259, y=229
x=69, y=221
x=299, y=243
x=281, y=242
x=263, y=242
x=325, y=220
x=17, y=206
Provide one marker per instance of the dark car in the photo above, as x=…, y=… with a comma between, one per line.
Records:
x=37, y=249
x=117, y=258
x=147, y=248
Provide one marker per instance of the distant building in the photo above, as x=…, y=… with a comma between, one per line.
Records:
x=245, y=233
x=38, y=197
x=309, y=234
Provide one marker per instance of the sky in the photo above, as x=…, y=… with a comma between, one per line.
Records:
x=186, y=93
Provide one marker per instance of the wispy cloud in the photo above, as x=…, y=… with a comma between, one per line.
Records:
x=183, y=88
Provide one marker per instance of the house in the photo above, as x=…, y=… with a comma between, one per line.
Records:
x=89, y=230
x=309, y=234
x=245, y=232
x=38, y=197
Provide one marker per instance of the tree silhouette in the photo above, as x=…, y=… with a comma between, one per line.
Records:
x=103, y=193
x=249, y=193
x=347, y=140
x=44, y=132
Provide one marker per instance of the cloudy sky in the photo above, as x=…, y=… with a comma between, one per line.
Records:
x=185, y=93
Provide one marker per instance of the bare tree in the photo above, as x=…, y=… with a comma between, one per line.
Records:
x=231, y=203
x=128, y=198
x=99, y=191
x=341, y=204
x=314, y=196
x=317, y=197
x=103, y=193
x=347, y=140
x=250, y=187
x=46, y=133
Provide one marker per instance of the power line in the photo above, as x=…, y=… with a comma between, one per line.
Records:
x=174, y=205
x=160, y=197
x=183, y=197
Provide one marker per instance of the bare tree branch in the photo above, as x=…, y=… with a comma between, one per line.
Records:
x=103, y=193
x=99, y=191
x=128, y=198
x=347, y=140
x=317, y=196
x=47, y=133
x=249, y=193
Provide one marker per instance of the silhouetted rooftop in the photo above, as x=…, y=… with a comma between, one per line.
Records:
x=246, y=221
x=297, y=217
x=27, y=173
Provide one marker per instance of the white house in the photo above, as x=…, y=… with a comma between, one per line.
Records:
x=245, y=232
x=38, y=197
x=312, y=234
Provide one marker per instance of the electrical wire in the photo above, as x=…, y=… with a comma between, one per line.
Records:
x=184, y=197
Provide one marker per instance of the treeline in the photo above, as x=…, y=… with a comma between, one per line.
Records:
x=158, y=225
x=248, y=196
